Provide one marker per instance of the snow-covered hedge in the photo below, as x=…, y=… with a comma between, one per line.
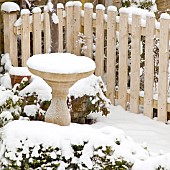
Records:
x=150, y=5
x=29, y=145
x=37, y=145
x=27, y=99
x=87, y=96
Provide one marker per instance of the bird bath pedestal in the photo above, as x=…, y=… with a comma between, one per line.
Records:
x=60, y=71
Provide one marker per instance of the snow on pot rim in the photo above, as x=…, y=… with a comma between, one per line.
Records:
x=19, y=71
x=61, y=63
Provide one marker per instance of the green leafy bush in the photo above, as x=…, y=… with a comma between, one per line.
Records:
x=88, y=96
x=89, y=151
x=22, y=103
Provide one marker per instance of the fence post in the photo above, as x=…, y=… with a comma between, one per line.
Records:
x=77, y=26
x=10, y=39
x=60, y=8
x=25, y=36
x=99, y=58
x=69, y=27
x=111, y=52
x=123, y=57
x=36, y=30
x=149, y=66
x=88, y=29
x=163, y=67
x=135, y=63
x=47, y=32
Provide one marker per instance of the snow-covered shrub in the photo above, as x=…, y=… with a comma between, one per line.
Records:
x=10, y=106
x=87, y=96
x=27, y=99
x=144, y=4
x=29, y=145
x=36, y=97
x=5, y=63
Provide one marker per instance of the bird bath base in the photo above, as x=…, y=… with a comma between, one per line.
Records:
x=60, y=80
x=58, y=112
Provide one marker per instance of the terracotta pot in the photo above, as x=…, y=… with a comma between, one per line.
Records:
x=18, y=73
x=17, y=79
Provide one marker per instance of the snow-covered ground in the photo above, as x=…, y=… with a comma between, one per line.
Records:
x=143, y=130
x=149, y=133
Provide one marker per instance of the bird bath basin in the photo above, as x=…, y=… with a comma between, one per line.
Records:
x=60, y=71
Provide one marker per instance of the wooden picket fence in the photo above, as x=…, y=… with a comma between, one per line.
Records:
x=73, y=20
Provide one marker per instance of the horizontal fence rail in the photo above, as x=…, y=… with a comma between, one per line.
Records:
x=106, y=40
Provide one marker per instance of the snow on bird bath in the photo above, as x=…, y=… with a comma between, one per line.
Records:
x=62, y=63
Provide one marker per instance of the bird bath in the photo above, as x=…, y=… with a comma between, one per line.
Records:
x=60, y=71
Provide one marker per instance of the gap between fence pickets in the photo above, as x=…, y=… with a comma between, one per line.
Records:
x=141, y=99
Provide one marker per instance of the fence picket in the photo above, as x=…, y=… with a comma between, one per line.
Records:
x=163, y=69
x=37, y=31
x=149, y=67
x=111, y=54
x=25, y=38
x=88, y=29
x=123, y=59
x=69, y=28
x=77, y=27
x=135, y=64
x=99, y=58
x=60, y=27
x=47, y=33
x=10, y=39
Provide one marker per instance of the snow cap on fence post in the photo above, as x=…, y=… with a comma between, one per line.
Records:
x=77, y=3
x=36, y=10
x=150, y=14
x=123, y=10
x=10, y=7
x=25, y=11
x=112, y=8
x=165, y=16
x=69, y=3
x=88, y=5
x=100, y=7
x=60, y=6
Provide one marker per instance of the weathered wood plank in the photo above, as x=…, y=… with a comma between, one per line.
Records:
x=88, y=29
x=111, y=55
x=25, y=38
x=37, y=31
x=123, y=59
x=163, y=69
x=69, y=29
x=47, y=33
x=135, y=64
x=149, y=67
x=77, y=28
x=99, y=57
x=10, y=39
x=60, y=28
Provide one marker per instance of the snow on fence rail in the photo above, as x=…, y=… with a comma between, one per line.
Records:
x=73, y=20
